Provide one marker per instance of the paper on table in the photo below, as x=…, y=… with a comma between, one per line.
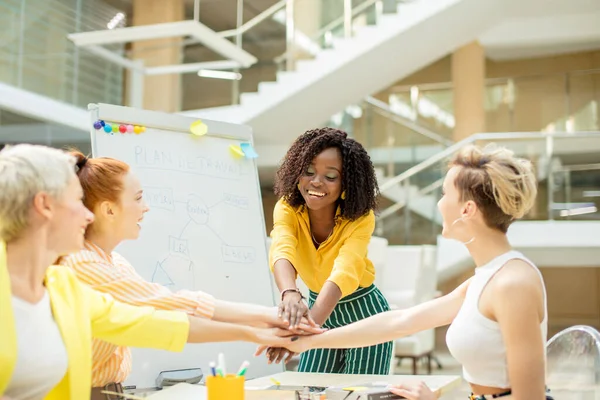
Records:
x=181, y=391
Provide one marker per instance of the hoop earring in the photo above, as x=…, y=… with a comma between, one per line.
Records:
x=343, y=196
x=463, y=220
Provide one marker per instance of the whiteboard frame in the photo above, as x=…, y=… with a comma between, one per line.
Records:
x=165, y=121
x=179, y=123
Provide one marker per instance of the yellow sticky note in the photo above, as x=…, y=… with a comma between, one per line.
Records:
x=198, y=128
x=236, y=151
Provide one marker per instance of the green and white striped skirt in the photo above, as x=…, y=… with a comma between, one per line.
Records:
x=371, y=360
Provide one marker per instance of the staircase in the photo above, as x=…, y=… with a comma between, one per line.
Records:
x=401, y=43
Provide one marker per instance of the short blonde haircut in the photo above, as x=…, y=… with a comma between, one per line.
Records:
x=26, y=170
x=503, y=186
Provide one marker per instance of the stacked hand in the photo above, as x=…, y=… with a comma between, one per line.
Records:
x=275, y=332
x=293, y=314
x=294, y=309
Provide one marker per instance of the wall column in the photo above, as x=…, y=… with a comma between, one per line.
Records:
x=468, y=78
x=161, y=92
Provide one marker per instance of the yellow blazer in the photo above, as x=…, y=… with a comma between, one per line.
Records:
x=81, y=313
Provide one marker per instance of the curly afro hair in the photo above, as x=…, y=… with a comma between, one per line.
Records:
x=358, y=175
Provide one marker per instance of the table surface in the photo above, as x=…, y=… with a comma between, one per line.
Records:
x=440, y=383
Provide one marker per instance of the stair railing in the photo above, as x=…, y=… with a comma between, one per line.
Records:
x=546, y=155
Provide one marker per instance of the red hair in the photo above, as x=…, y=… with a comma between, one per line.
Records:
x=101, y=178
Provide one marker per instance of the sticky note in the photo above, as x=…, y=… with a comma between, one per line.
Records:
x=198, y=128
x=248, y=150
x=236, y=151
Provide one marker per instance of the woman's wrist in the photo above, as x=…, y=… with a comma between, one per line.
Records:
x=292, y=296
x=250, y=334
x=294, y=292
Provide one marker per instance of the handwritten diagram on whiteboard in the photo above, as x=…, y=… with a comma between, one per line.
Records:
x=177, y=269
x=204, y=230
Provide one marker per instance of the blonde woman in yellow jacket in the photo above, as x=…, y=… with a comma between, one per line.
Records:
x=47, y=317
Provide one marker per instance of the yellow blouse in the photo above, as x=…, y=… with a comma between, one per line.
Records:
x=81, y=313
x=341, y=259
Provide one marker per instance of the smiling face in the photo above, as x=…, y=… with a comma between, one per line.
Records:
x=69, y=219
x=321, y=183
x=131, y=208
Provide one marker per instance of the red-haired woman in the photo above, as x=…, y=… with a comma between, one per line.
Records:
x=114, y=194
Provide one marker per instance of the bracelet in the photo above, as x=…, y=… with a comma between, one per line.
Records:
x=283, y=292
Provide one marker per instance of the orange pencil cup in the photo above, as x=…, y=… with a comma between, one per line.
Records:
x=229, y=387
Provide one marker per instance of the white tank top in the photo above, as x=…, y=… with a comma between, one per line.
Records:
x=475, y=340
x=41, y=354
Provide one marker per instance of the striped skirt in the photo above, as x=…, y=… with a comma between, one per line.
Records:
x=372, y=360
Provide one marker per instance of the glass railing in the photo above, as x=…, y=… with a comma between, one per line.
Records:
x=567, y=167
x=566, y=102
x=314, y=25
x=36, y=55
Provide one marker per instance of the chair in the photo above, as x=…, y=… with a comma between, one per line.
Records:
x=411, y=278
x=377, y=253
x=573, y=364
x=398, y=279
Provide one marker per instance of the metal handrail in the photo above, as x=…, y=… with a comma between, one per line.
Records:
x=340, y=21
x=280, y=5
x=444, y=154
x=578, y=168
x=332, y=25
x=493, y=81
x=399, y=118
x=401, y=204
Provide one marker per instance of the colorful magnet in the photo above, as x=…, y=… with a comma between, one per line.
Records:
x=129, y=128
x=236, y=151
x=198, y=128
x=102, y=123
x=122, y=128
x=143, y=128
x=137, y=129
x=248, y=150
x=107, y=128
x=97, y=125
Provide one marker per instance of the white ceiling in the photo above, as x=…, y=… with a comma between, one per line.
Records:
x=538, y=28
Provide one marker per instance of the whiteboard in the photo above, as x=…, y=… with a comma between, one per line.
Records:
x=205, y=229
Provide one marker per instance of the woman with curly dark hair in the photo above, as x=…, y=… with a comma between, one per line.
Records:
x=323, y=223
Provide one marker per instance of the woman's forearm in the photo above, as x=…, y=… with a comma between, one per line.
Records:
x=285, y=274
x=377, y=329
x=326, y=302
x=391, y=325
x=205, y=330
x=242, y=313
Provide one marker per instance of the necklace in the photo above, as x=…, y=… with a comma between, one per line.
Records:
x=315, y=240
